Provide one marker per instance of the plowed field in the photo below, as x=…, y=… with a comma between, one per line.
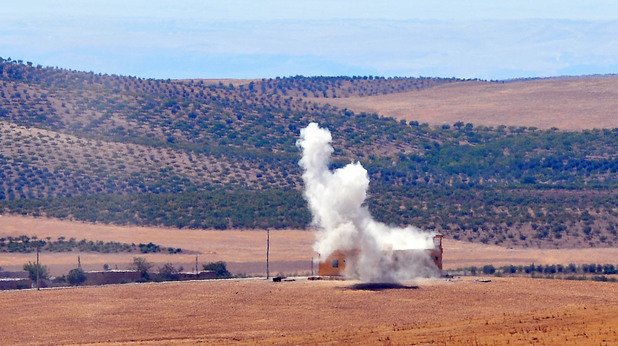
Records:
x=505, y=310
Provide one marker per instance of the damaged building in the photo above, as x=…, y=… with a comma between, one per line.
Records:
x=338, y=263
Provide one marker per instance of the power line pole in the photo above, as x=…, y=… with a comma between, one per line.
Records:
x=38, y=281
x=267, y=253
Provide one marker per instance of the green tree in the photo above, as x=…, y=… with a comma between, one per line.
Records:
x=32, y=268
x=141, y=265
x=220, y=269
x=169, y=273
x=488, y=269
x=76, y=277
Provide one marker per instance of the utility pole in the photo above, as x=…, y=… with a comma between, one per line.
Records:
x=196, y=264
x=38, y=281
x=311, y=266
x=267, y=252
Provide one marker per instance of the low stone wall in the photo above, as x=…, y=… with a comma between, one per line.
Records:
x=111, y=277
x=203, y=275
x=15, y=283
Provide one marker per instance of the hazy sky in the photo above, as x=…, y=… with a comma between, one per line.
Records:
x=249, y=39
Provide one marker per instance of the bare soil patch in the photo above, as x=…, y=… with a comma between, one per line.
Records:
x=505, y=310
x=574, y=103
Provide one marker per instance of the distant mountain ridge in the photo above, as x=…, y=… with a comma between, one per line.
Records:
x=194, y=153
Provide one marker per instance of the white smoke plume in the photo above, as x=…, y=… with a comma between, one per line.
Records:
x=336, y=200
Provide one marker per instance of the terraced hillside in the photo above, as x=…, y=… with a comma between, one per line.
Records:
x=203, y=154
x=336, y=87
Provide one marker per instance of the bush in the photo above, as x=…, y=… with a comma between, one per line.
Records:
x=31, y=268
x=76, y=277
x=220, y=269
x=609, y=269
x=510, y=269
x=488, y=269
x=142, y=266
x=599, y=278
x=169, y=273
x=148, y=248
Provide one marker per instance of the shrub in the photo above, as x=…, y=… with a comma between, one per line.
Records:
x=142, y=266
x=488, y=269
x=169, y=273
x=76, y=277
x=609, y=269
x=510, y=269
x=220, y=269
x=31, y=268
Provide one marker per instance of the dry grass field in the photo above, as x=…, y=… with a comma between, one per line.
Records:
x=244, y=251
x=566, y=103
x=516, y=311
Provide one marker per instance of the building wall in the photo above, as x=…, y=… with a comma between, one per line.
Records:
x=334, y=265
x=436, y=256
x=437, y=252
x=15, y=284
x=203, y=275
x=111, y=277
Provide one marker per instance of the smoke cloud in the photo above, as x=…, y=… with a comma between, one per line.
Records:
x=336, y=200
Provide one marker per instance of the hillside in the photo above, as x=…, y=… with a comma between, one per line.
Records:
x=204, y=154
x=573, y=103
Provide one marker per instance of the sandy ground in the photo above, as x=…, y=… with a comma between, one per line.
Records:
x=566, y=103
x=245, y=251
x=505, y=310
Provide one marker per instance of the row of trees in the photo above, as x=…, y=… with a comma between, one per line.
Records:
x=343, y=86
x=500, y=216
x=531, y=269
x=25, y=244
x=217, y=208
x=166, y=272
